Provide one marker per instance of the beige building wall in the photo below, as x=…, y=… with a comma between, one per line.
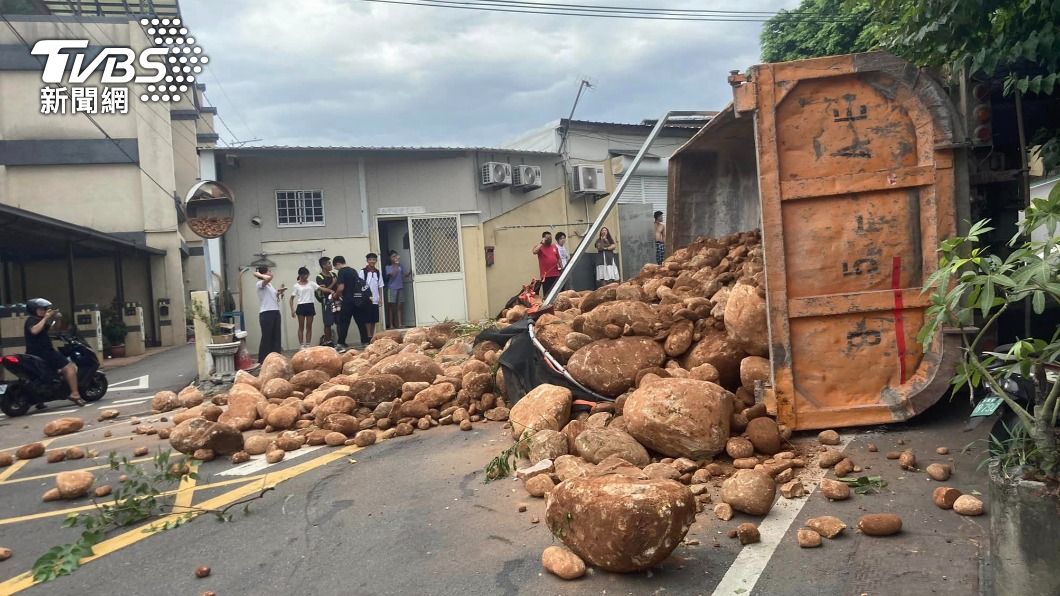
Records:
x=475, y=280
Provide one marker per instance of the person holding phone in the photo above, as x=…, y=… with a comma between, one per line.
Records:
x=42, y=315
x=548, y=263
x=268, y=313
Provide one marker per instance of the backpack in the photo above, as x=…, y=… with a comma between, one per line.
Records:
x=359, y=294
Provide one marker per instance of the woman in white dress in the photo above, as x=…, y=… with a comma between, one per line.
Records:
x=607, y=270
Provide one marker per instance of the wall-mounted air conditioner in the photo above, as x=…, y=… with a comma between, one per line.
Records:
x=590, y=180
x=526, y=177
x=496, y=174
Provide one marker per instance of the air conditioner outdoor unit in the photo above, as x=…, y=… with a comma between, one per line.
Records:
x=496, y=173
x=526, y=177
x=590, y=180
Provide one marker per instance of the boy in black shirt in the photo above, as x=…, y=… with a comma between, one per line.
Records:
x=38, y=343
x=327, y=279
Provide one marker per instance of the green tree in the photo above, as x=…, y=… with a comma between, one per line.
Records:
x=818, y=28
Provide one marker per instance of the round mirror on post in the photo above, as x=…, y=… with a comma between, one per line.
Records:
x=210, y=206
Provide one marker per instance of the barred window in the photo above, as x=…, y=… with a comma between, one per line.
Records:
x=295, y=208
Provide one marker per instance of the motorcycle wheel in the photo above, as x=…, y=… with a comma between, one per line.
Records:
x=15, y=402
x=96, y=388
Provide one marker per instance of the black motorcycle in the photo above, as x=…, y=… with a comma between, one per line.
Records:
x=35, y=383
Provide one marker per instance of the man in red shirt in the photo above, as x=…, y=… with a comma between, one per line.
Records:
x=548, y=263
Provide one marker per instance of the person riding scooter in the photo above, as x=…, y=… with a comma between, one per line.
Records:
x=38, y=343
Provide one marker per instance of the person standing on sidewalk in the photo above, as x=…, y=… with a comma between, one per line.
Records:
x=660, y=238
x=268, y=314
x=547, y=263
x=369, y=315
x=326, y=280
x=302, y=306
x=607, y=270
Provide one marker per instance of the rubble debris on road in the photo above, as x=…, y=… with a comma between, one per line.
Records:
x=880, y=524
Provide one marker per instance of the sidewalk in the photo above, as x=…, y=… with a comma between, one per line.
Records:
x=114, y=363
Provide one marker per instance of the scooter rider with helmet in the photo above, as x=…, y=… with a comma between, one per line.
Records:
x=42, y=316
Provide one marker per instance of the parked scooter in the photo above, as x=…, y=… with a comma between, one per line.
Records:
x=36, y=384
x=992, y=408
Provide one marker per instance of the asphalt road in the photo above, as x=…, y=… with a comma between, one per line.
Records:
x=413, y=515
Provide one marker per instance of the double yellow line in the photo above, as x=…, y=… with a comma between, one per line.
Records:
x=183, y=506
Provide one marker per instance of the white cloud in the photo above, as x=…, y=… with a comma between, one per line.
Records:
x=353, y=72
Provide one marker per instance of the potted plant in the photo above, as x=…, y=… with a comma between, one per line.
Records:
x=219, y=333
x=974, y=285
x=114, y=330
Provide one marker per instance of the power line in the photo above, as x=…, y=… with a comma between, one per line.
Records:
x=586, y=11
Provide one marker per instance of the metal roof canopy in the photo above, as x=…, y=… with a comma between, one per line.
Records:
x=110, y=8
x=26, y=236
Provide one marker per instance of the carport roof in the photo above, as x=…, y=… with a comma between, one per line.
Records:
x=28, y=236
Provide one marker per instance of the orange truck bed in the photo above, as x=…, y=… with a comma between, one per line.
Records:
x=851, y=167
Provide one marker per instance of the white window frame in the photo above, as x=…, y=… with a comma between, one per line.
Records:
x=300, y=198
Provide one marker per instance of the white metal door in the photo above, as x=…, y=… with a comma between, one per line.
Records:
x=438, y=271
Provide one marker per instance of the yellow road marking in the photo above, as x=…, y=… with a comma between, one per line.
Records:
x=25, y=580
x=10, y=470
x=186, y=490
x=40, y=476
x=58, y=512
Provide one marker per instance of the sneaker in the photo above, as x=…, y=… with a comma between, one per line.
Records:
x=340, y=348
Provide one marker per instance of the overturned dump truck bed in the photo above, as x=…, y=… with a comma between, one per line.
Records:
x=848, y=164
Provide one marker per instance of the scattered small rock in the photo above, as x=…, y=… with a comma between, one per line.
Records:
x=940, y=472
x=202, y=571
x=843, y=468
x=826, y=525
x=872, y=448
x=835, y=490
x=880, y=524
x=141, y=451
x=968, y=505
x=894, y=454
x=808, y=538
x=793, y=490
x=31, y=451
x=907, y=460
x=942, y=451
x=522, y=507
x=748, y=533
x=830, y=458
x=102, y=491
x=723, y=511
x=945, y=496
x=562, y=563
x=540, y=485
x=5, y=554
x=828, y=437
x=240, y=457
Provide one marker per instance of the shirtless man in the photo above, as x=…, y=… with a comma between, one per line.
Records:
x=660, y=238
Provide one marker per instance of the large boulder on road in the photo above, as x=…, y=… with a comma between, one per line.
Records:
x=610, y=366
x=198, y=433
x=680, y=417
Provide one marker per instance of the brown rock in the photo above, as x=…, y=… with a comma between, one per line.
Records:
x=74, y=484
x=894, y=454
x=679, y=339
x=718, y=350
x=75, y=453
x=723, y=511
x=571, y=432
x=968, y=505
x=364, y=438
x=764, y=435
x=835, y=490
x=199, y=433
x=308, y=380
x=620, y=524
x=283, y=417
x=548, y=444
x=466, y=425
x=704, y=372
x=552, y=332
x=277, y=389
x=610, y=366
x=826, y=525
x=661, y=471
x=748, y=533
x=597, y=444
x=342, y=423
x=754, y=368
x=828, y=437
x=745, y=463
x=792, y=490
x=334, y=439
x=108, y=414
x=562, y=563
x=638, y=317
x=52, y=494
x=680, y=417
x=405, y=429
x=808, y=538
x=240, y=457
x=341, y=404
x=30, y=451
x=880, y=524
x=141, y=451
x=409, y=366
x=102, y=491
x=942, y=450
x=274, y=366
x=164, y=401
x=749, y=491
x=940, y=472
x=317, y=358
x=745, y=319
x=56, y=456
x=830, y=458
x=5, y=554
x=257, y=444
x=275, y=456
x=944, y=497
x=540, y=485
x=63, y=426
x=843, y=468
x=497, y=414
x=739, y=447
x=907, y=460
x=872, y=448
x=163, y=433
x=544, y=407
x=204, y=454
x=571, y=466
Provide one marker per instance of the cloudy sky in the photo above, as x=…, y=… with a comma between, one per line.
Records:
x=351, y=72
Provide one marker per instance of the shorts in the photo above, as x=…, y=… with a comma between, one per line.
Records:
x=306, y=310
x=53, y=360
x=395, y=296
x=369, y=314
x=329, y=316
